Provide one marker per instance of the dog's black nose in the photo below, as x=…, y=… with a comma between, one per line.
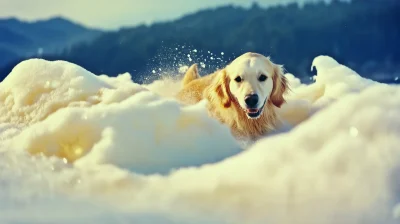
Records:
x=251, y=100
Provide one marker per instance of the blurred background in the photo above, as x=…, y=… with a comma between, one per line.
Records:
x=153, y=37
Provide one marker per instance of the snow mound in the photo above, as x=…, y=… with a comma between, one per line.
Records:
x=37, y=88
x=76, y=115
x=124, y=152
x=333, y=81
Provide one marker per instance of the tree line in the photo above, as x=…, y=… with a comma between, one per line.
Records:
x=363, y=34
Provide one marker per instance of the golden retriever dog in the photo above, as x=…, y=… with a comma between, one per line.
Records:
x=243, y=95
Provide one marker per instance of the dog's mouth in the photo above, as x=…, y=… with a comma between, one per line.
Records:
x=254, y=113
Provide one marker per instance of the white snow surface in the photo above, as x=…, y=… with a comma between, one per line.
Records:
x=81, y=148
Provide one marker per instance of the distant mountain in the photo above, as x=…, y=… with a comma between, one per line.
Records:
x=363, y=34
x=25, y=39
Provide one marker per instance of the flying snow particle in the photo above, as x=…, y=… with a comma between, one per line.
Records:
x=40, y=51
x=183, y=69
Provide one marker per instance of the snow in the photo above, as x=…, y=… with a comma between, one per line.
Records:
x=142, y=132
x=107, y=150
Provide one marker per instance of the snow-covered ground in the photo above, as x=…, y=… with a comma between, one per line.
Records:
x=108, y=150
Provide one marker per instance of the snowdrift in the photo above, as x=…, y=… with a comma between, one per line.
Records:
x=77, y=147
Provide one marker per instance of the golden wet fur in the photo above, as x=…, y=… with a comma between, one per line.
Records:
x=224, y=106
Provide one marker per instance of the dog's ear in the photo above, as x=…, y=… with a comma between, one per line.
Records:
x=218, y=91
x=191, y=74
x=280, y=87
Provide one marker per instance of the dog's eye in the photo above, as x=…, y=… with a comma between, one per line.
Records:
x=262, y=78
x=238, y=79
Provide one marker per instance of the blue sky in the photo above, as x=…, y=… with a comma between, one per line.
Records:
x=112, y=14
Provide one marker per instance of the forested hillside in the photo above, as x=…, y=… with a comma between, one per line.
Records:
x=363, y=34
x=28, y=39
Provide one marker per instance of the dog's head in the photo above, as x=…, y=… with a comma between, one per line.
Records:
x=251, y=80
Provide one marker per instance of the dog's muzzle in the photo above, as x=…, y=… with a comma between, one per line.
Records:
x=251, y=110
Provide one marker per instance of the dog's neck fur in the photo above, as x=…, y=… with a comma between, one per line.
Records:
x=241, y=125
